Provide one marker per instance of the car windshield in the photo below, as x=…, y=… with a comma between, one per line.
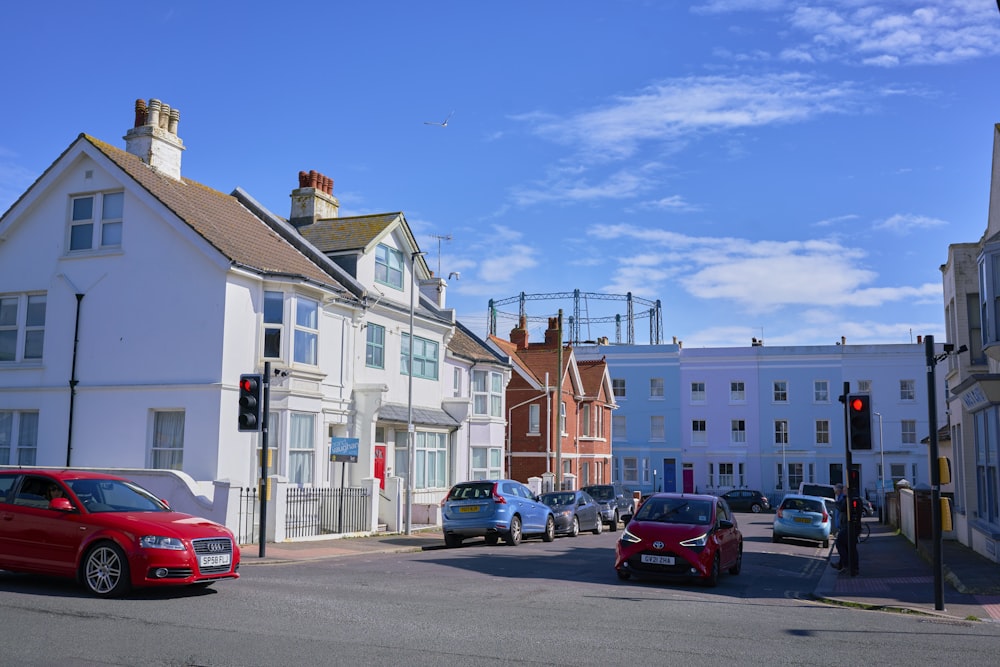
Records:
x=601, y=492
x=553, y=499
x=112, y=495
x=676, y=510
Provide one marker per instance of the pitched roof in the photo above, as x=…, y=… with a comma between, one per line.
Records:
x=592, y=373
x=221, y=220
x=467, y=345
x=348, y=234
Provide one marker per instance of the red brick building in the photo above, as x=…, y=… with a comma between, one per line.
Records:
x=558, y=410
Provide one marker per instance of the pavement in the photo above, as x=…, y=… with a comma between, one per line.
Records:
x=894, y=575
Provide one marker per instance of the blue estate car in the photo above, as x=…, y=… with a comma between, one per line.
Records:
x=493, y=509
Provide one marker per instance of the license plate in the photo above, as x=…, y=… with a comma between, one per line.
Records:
x=214, y=560
x=657, y=560
x=471, y=508
x=803, y=519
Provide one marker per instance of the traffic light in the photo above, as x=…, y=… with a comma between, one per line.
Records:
x=854, y=481
x=859, y=420
x=249, y=410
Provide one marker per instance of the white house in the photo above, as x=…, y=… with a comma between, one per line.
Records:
x=132, y=298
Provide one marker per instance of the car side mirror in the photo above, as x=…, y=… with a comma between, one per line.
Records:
x=725, y=523
x=61, y=505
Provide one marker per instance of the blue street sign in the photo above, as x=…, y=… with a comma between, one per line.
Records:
x=344, y=450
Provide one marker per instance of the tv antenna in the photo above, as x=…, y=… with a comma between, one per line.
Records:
x=444, y=237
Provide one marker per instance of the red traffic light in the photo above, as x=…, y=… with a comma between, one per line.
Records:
x=857, y=404
x=248, y=384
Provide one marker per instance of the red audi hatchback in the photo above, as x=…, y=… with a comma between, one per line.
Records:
x=680, y=536
x=107, y=532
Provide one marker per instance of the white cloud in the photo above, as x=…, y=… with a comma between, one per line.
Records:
x=758, y=276
x=904, y=223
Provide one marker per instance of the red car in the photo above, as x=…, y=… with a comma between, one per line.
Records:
x=680, y=536
x=107, y=532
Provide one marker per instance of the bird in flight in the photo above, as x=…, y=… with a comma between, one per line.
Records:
x=445, y=122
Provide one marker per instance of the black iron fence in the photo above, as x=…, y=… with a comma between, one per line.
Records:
x=311, y=512
x=248, y=530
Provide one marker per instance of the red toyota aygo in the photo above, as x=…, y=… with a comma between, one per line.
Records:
x=106, y=532
x=680, y=536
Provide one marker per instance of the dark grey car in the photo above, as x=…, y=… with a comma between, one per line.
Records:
x=618, y=504
x=574, y=511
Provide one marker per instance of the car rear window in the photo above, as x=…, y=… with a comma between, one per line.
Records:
x=553, y=499
x=601, y=492
x=476, y=491
x=803, y=505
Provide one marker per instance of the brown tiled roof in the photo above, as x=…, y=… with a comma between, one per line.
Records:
x=467, y=345
x=221, y=220
x=354, y=233
x=592, y=375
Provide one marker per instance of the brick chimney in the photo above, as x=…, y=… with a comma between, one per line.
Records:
x=153, y=138
x=313, y=200
x=519, y=334
x=553, y=335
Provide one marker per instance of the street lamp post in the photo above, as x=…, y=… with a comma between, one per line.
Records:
x=410, y=431
x=881, y=474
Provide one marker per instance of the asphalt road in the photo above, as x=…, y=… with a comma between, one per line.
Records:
x=544, y=604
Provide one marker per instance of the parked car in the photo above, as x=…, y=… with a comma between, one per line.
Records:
x=804, y=518
x=493, y=509
x=573, y=511
x=615, y=495
x=821, y=490
x=107, y=532
x=745, y=500
x=680, y=536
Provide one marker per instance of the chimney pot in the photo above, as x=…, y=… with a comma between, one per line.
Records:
x=140, y=113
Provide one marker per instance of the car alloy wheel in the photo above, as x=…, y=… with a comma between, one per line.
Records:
x=712, y=580
x=755, y=508
x=105, y=570
x=513, y=537
x=599, y=525
x=550, y=530
x=574, y=528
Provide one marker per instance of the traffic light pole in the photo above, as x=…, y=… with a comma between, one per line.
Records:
x=936, y=529
x=852, y=536
x=264, y=410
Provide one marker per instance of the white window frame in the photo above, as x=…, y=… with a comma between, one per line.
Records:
x=738, y=431
x=22, y=327
x=103, y=226
x=630, y=469
x=822, y=431
x=779, y=391
x=907, y=390
x=737, y=391
x=697, y=392
x=486, y=462
x=618, y=387
x=699, y=432
x=618, y=427
x=585, y=420
x=487, y=393
x=306, y=336
x=431, y=455
x=781, y=432
x=166, y=451
x=562, y=417
x=657, y=428
x=908, y=431
x=534, y=419
x=302, y=448
x=656, y=388
x=273, y=316
x=18, y=437
x=821, y=391
x=726, y=474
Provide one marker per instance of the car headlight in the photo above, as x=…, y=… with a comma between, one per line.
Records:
x=630, y=538
x=566, y=514
x=158, y=542
x=699, y=541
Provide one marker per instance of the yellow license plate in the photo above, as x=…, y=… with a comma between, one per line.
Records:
x=803, y=519
x=473, y=508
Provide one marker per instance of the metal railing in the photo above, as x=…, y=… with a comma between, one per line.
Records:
x=310, y=512
x=248, y=524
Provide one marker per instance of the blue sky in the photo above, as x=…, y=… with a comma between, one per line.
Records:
x=792, y=171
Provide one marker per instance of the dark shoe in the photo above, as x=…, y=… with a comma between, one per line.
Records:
x=836, y=566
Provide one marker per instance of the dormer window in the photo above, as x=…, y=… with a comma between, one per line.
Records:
x=96, y=221
x=389, y=266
